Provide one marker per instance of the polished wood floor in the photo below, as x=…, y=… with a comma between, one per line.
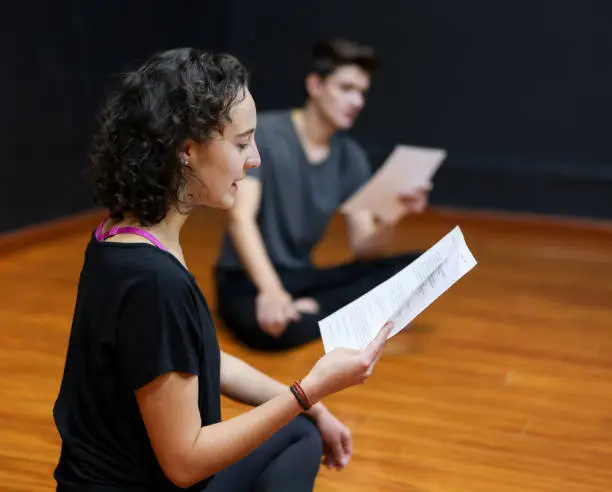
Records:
x=504, y=384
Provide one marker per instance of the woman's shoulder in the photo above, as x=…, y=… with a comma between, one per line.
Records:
x=137, y=265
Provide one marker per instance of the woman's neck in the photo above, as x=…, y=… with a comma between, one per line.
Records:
x=170, y=228
x=167, y=232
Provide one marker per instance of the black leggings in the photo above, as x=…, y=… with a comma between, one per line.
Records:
x=289, y=460
x=331, y=287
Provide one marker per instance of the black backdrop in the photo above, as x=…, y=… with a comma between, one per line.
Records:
x=517, y=92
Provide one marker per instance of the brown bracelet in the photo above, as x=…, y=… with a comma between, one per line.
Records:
x=300, y=395
x=298, y=384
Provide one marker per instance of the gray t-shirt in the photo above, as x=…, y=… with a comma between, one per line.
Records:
x=298, y=198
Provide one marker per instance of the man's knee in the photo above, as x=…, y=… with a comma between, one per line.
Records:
x=383, y=268
x=295, y=335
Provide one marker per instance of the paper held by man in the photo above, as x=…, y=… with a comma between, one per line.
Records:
x=406, y=169
x=401, y=298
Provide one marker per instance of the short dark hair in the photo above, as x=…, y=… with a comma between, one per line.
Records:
x=330, y=54
x=174, y=96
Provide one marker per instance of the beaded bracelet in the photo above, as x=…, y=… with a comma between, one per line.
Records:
x=300, y=395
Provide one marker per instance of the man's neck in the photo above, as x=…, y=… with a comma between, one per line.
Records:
x=314, y=131
x=313, y=126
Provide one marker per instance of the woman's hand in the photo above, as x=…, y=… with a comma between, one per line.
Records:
x=342, y=368
x=337, y=441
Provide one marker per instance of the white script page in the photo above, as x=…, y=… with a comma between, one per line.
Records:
x=402, y=297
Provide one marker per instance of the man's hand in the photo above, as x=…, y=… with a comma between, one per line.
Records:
x=416, y=200
x=307, y=305
x=274, y=310
x=337, y=441
x=369, y=234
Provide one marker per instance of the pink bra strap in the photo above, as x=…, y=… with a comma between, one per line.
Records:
x=113, y=231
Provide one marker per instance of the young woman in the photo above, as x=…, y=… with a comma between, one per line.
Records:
x=139, y=403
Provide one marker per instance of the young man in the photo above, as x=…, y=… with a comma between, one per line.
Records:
x=269, y=293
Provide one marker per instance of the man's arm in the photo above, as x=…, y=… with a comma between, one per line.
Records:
x=247, y=239
x=367, y=238
x=367, y=235
x=274, y=304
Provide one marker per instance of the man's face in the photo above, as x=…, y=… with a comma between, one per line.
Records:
x=340, y=96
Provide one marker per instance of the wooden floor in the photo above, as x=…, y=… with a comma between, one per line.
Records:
x=504, y=384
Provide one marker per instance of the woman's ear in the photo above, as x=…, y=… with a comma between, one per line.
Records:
x=189, y=152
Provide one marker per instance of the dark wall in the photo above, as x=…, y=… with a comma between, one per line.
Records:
x=60, y=61
x=517, y=92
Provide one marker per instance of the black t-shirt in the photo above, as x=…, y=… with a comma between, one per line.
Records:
x=139, y=314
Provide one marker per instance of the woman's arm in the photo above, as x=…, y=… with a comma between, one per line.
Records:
x=188, y=452
x=245, y=384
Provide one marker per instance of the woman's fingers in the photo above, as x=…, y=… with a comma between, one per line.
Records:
x=375, y=348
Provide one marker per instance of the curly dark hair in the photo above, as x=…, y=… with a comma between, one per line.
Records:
x=174, y=96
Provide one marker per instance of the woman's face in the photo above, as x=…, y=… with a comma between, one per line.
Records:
x=217, y=166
